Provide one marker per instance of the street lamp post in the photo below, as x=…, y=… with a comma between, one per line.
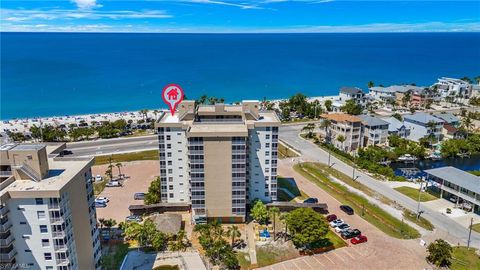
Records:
x=470, y=233
x=418, y=203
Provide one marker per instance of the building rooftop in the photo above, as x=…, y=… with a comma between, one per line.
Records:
x=457, y=177
x=168, y=222
x=394, y=124
x=216, y=130
x=397, y=88
x=369, y=120
x=422, y=118
x=341, y=117
x=351, y=90
x=447, y=117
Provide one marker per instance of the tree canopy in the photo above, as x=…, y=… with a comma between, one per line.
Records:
x=153, y=194
x=307, y=227
x=439, y=253
x=351, y=107
x=259, y=212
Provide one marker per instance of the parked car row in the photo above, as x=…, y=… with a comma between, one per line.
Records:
x=344, y=228
x=134, y=218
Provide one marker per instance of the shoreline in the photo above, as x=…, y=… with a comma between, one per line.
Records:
x=24, y=124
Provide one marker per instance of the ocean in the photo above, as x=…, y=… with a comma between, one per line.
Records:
x=46, y=74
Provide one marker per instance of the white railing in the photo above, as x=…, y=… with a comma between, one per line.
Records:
x=6, y=241
x=7, y=257
x=29, y=171
x=5, y=226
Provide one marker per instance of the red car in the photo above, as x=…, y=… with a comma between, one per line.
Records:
x=331, y=217
x=359, y=239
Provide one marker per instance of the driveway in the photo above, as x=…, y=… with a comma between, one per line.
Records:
x=380, y=252
x=446, y=228
x=140, y=174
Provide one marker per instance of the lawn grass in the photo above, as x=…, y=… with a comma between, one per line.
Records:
x=285, y=183
x=336, y=240
x=370, y=212
x=464, y=259
x=285, y=152
x=476, y=227
x=113, y=255
x=143, y=155
x=98, y=187
x=413, y=194
x=244, y=261
x=422, y=222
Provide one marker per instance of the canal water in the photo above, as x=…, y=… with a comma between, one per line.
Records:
x=467, y=164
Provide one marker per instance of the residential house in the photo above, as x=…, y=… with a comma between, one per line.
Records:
x=348, y=126
x=349, y=93
x=419, y=125
x=374, y=130
x=388, y=94
x=451, y=132
x=448, y=118
x=397, y=127
x=458, y=186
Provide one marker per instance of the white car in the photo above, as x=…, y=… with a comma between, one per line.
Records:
x=113, y=184
x=98, y=178
x=336, y=222
x=102, y=200
x=342, y=227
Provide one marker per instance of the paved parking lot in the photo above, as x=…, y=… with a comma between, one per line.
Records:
x=380, y=252
x=140, y=173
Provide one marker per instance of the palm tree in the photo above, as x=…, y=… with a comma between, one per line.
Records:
x=233, y=232
x=212, y=100
x=477, y=79
x=406, y=98
x=341, y=139
x=326, y=125
x=155, y=112
x=218, y=231
x=144, y=113
x=274, y=211
x=431, y=126
x=119, y=165
x=109, y=223
x=284, y=217
x=309, y=128
x=467, y=123
x=371, y=84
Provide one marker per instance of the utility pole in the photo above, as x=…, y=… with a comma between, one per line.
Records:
x=41, y=131
x=328, y=157
x=418, y=203
x=470, y=233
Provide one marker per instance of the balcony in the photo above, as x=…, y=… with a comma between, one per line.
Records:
x=4, y=211
x=5, y=226
x=58, y=234
x=6, y=242
x=6, y=173
x=60, y=248
x=62, y=261
x=56, y=220
x=54, y=206
x=8, y=257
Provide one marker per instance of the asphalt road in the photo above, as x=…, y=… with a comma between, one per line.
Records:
x=311, y=152
x=113, y=146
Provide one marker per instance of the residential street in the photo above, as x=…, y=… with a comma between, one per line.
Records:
x=446, y=228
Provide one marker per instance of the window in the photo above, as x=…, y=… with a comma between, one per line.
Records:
x=170, y=187
x=170, y=162
x=169, y=154
x=28, y=250
x=49, y=268
x=168, y=137
x=47, y=256
x=170, y=171
x=169, y=146
x=43, y=229
x=170, y=179
x=267, y=136
x=41, y=214
x=267, y=153
x=45, y=243
x=170, y=195
x=38, y=201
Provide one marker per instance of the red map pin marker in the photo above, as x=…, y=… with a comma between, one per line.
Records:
x=172, y=95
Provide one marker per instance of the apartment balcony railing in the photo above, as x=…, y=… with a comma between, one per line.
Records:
x=7, y=257
x=54, y=206
x=460, y=194
x=6, y=173
x=56, y=220
x=58, y=234
x=195, y=152
x=197, y=188
x=62, y=261
x=5, y=226
x=60, y=248
x=5, y=242
x=4, y=211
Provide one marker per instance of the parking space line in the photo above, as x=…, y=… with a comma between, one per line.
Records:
x=325, y=255
x=318, y=261
x=340, y=257
x=296, y=265
x=358, y=252
x=307, y=263
x=348, y=254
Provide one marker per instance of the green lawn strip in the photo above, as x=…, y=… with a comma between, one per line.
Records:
x=372, y=213
x=355, y=184
x=113, y=255
x=167, y=267
x=336, y=240
x=243, y=260
x=268, y=255
x=413, y=194
x=285, y=152
x=98, y=187
x=143, y=155
x=476, y=227
x=422, y=222
x=464, y=259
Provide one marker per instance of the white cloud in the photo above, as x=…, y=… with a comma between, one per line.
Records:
x=86, y=4
x=226, y=3
x=20, y=15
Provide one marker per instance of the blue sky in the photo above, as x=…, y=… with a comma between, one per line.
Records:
x=226, y=16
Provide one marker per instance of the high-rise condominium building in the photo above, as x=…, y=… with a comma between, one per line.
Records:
x=218, y=158
x=47, y=211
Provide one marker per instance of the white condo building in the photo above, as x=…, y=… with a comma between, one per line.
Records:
x=47, y=212
x=218, y=158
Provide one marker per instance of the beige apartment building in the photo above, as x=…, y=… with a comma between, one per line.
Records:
x=343, y=125
x=218, y=158
x=47, y=212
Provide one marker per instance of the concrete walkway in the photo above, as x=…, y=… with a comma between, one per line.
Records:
x=251, y=243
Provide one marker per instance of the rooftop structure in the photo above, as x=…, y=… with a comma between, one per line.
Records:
x=168, y=223
x=448, y=118
x=421, y=117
